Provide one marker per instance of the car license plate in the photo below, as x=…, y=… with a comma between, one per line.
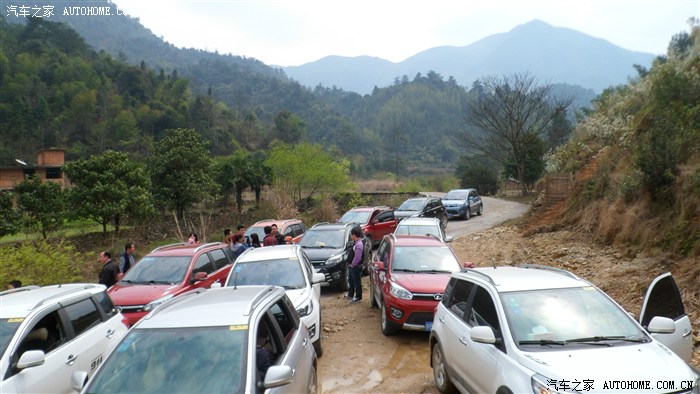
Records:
x=428, y=326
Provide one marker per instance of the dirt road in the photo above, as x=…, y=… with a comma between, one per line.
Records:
x=358, y=358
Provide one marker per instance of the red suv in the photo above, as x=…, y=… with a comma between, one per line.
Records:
x=376, y=222
x=409, y=273
x=169, y=271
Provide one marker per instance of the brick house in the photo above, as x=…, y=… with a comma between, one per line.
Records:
x=49, y=167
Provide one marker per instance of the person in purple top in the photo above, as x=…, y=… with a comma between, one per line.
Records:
x=355, y=256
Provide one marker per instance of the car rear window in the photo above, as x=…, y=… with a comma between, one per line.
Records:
x=159, y=270
x=286, y=273
x=359, y=217
x=424, y=259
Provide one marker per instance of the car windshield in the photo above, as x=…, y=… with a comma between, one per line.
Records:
x=566, y=315
x=323, y=239
x=8, y=327
x=159, y=270
x=257, y=230
x=411, y=205
x=424, y=259
x=453, y=195
x=359, y=217
x=285, y=273
x=176, y=360
x=410, y=229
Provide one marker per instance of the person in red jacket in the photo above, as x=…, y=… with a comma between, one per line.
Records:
x=269, y=239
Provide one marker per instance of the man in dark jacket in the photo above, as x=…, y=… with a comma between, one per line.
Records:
x=269, y=239
x=126, y=261
x=108, y=274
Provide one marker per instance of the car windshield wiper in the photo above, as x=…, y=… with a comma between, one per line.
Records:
x=602, y=340
x=403, y=270
x=159, y=282
x=542, y=342
x=436, y=271
x=127, y=281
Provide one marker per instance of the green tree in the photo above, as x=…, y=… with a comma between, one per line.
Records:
x=506, y=115
x=232, y=173
x=289, y=128
x=108, y=186
x=306, y=169
x=260, y=175
x=10, y=219
x=42, y=205
x=533, y=149
x=180, y=170
x=478, y=172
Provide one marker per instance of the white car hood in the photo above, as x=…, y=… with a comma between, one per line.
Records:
x=453, y=202
x=651, y=362
x=297, y=296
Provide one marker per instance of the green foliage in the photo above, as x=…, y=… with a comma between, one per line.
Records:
x=304, y=170
x=356, y=200
x=478, y=172
x=533, y=150
x=289, y=128
x=40, y=263
x=10, y=219
x=107, y=187
x=180, y=170
x=234, y=174
x=42, y=205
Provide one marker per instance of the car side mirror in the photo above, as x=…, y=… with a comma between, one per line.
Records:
x=200, y=276
x=375, y=221
x=379, y=265
x=78, y=380
x=483, y=334
x=31, y=358
x=318, y=277
x=661, y=325
x=278, y=375
x=449, y=238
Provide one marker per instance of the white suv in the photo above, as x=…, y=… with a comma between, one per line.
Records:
x=286, y=266
x=47, y=333
x=539, y=329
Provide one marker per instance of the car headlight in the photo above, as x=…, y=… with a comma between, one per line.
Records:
x=306, y=308
x=338, y=258
x=399, y=292
x=542, y=385
x=153, y=304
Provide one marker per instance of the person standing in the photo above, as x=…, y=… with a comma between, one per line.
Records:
x=269, y=239
x=238, y=247
x=355, y=257
x=193, y=239
x=109, y=272
x=255, y=240
x=279, y=237
x=126, y=261
x=241, y=230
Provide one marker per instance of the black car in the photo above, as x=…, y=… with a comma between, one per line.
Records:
x=429, y=207
x=326, y=246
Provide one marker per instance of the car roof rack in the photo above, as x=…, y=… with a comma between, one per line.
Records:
x=264, y=220
x=257, y=300
x=473, y=271
x=66, y=293
x=168, y=246
x=206, y=245
x=18, y=290
x=548, y=268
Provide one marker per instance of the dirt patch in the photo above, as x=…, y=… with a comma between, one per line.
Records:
x=358, y=358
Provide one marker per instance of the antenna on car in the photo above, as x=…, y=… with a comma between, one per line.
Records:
x=493, y=261
x=235, y=277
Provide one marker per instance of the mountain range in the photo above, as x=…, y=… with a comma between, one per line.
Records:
x=552, y=54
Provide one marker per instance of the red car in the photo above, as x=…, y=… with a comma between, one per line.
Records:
x=169, y=271
x=376, y=222
x=408, y=276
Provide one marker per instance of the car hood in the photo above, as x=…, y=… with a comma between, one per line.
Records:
x=453, y=202
x=131, y=294
x=297, y=296
x=422, y=283
x=642, y=362
x=318, y=254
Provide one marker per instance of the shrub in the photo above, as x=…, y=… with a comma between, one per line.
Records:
x=41, y=263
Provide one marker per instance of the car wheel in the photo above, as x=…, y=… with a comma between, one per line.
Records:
x=343, y=284
x=481, y=210
x=318, y=345
x=372, y=300
x=468, y=213
x=313, y=381
x=442, y=379
x=388, y=328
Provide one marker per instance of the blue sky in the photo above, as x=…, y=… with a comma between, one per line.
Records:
x=293, y=32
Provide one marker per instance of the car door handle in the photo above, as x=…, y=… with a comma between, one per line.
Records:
x=442, y=320
x=110, y=333
x=464, y=341
x=306, y=341
x=71, y=360
x=685, y=335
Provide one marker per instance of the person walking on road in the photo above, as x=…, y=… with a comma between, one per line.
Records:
x=110, y=271
x=355, y=257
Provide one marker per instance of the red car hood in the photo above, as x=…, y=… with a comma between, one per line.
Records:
x=127, y=294
x=422, y=283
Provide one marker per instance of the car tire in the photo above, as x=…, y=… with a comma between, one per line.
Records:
x=467, y=213
x=442, y=379
x=313, y=381
x=318, y=345
x=443, y=221
x=481, y=210
x=388, y=328
x=372, y=300
x=343, y=284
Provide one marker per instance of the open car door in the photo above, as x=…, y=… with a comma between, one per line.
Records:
x=664, y=299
